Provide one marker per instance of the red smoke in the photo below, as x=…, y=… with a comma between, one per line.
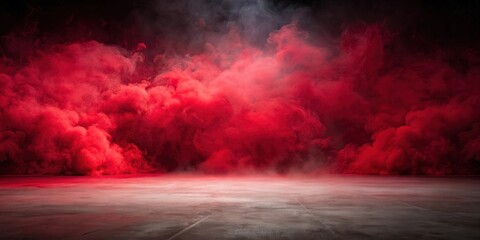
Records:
x=295, y=105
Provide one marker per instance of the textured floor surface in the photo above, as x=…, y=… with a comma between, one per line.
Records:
x=203, y=207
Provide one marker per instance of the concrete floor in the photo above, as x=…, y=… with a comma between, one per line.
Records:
x=205, y=207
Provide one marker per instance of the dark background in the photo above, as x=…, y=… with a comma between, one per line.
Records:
x=27, y=25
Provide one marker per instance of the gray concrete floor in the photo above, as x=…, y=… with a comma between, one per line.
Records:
x=206, y=207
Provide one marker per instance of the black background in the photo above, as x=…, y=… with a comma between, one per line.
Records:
x=127, y=22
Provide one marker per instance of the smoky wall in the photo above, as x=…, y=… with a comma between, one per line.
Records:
x=367, y=87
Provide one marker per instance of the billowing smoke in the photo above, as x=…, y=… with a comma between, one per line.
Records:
x=236, y=86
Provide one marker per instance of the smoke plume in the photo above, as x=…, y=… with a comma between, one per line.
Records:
x=238, y=87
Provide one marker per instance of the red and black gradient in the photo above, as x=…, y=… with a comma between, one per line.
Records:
x=367, y=87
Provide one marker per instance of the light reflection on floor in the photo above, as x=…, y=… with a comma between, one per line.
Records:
x=221, y=207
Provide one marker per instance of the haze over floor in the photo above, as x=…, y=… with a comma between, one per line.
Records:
x=242, y=207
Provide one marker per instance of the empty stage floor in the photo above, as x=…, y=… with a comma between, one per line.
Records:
x=239, y=207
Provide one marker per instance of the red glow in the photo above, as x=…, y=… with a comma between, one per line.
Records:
x=90, y=108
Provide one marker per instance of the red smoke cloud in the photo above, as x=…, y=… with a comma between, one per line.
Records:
x=295, y=105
